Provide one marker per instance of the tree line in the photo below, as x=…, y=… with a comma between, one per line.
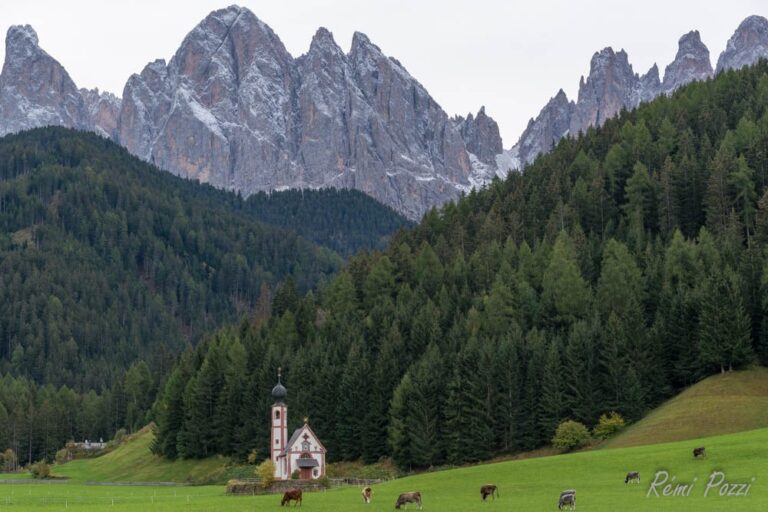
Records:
x=623, y=266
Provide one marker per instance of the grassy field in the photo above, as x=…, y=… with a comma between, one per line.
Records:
x=722, y=404
x=719, y=405
x=525, y=485
x=134, y=462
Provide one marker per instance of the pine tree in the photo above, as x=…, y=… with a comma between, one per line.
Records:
x=425, y=415
x=582, y=393
x=170, y=415
x=399, y=433
x=552, y=404
x=353, y=400
x=724, y=327
x=564, y=289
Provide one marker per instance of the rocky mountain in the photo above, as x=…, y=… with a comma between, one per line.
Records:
x=234, y=109
x=481, y=136
x=748, y=44
x=103, y=110
x=35, y=90
x=691, y=63
x=542, y=133
x=612, y=85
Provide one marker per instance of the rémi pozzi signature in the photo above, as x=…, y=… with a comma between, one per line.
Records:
x=664, y=485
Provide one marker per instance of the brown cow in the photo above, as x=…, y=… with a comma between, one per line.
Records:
x=367, y=494
x=292, y=495
x=408, y=497
x=699, y=452
x=489, y=490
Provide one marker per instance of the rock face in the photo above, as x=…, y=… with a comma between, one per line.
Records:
x=103, y=109
x=35, y=90
x=748, y=44
x=691, y=63
x=234, y=109
x=542, y=133
x=612, y=85
x=481, y=136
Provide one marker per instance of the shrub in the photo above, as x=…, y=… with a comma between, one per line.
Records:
x=608, y=425
x=266, y=473
x=10, y=462
x=253, y=456
x=295, y=475
x=240, y=487
x=120, y=436
x=571, y=435
x=40, y=470
x=62, y=456
x=324, y=481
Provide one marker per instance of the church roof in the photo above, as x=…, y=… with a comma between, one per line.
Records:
x=296, y=435
x=279, y=393
x=307, y=463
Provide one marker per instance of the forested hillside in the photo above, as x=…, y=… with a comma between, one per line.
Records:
x=110, y=268
x=105, y=260
x=346, y=221
x=614, y=271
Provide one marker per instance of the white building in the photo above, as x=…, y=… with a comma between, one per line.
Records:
x=303, y=451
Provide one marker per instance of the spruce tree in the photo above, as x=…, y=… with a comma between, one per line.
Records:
x=724, y=327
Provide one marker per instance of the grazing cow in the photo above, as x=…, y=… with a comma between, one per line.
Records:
x=292, y=495
x=408, y=497
x=632, y=476
x=699, y=452
x=367, y=494
x=567, y=500
x=489, y=490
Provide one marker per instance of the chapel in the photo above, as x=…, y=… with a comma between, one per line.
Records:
x=302, y=452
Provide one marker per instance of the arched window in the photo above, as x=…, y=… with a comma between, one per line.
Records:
x=277, y=415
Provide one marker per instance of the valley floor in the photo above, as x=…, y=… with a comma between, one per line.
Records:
x=525, y=485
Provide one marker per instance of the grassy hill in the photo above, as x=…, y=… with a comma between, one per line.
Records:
x=530, y=485
x=133, y=461
x=722, y=404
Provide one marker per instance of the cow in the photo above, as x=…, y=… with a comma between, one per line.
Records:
x=367, y=494
x=408, y=497
x=567, y=499
x=632, y=476
x=489, y=490
x=292, y=495
x=699, y=452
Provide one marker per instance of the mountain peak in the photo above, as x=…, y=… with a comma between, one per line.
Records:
x=691, y=63
x=746, y=46
x=690, y=40
x=323, y=40
x=35, y=90
x=21, y=33
x=359, y=39
x=481, y=136
x=21, y=41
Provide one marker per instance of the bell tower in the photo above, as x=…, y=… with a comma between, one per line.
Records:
x=279, y=430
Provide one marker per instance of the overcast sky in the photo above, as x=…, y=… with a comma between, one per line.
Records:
x=508, y=55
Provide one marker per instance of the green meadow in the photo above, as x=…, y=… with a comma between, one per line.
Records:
x=527, y=485
x=732, y=409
